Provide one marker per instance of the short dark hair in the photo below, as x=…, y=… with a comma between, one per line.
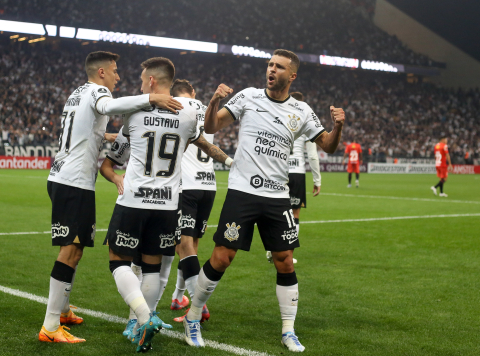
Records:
x=297, y=95
x=443, y=137
x=163, y=65
x=94, y=58
x=295, y=64
x=181, y=86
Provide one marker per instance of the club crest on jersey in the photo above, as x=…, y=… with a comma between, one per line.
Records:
x=124, y=239
x=59, y=230
x=231, y=234
x=57, y=166
x=293, y=122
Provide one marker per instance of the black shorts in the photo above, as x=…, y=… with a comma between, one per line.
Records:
x=196, y=208
x=273, y=216
x=152, y=232
x=73, y=215
x=298, y=190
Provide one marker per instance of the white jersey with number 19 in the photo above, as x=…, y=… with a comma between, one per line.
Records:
x=268, y=129
x=158, y=139
x=197, y=167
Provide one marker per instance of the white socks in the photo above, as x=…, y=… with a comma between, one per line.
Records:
x=66, y=307
x=179, y=287
x=191, y=283
x=128, y=286
x=57, y=298
x=288, y=301
x=164, y=273
x=203, y=291
x=150, y=288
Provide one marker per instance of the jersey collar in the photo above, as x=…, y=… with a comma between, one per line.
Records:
x=276, y=101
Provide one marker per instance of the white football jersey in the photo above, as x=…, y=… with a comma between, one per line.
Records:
x=83, y=128
x=268, y=129
x=197, y=167
x=120, y=150
x=296, y=163
x=158, y=139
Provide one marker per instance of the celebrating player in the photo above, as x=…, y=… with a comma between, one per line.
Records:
x=196, y=205
x=71, y=183
x=296, y=174
x=441, y=158
x=354, y=152
x=198, y=194
x=271, y=120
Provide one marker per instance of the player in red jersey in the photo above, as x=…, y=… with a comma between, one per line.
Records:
x=354, y=152
x=441, y=159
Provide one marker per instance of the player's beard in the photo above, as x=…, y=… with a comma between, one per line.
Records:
x=280, y=84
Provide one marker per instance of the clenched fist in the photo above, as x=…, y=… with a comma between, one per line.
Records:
x=337, y=115
x=222, y=92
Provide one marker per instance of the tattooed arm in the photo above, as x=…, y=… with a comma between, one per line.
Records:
x=213, y=151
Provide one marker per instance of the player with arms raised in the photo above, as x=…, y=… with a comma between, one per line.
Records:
x=441, y=158
x=271, y=120
x=354, y=153
x=71, y=183
x=147, y=217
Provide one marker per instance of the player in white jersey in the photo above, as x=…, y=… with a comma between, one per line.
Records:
x=147, y=217
x=198, y=195
x=296, y=174
x=119, y=154
x=271, y=120
x=71, y=183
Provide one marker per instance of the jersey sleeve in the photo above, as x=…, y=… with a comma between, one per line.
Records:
x=120, y=150
x=445, y=148
x=347, y=149
x=127, y=104
x=359, y=149
x=236, y=105
x=125, y=130
x=314, y=162
x=312, y=128
x=195, y=132
x=99, y=93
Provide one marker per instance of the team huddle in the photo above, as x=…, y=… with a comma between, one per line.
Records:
x=167, y=192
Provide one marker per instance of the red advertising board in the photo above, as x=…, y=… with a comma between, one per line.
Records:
x=14, y=162
x=465, y=169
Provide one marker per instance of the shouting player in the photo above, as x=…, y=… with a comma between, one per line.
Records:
x=354, y=153
x=71, y=183
x=271, y=120
x=296, y=174
x=441, y=158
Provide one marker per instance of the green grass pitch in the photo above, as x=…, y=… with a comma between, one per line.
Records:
x=378, y=287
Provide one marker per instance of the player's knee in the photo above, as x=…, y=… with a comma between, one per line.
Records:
x=222, y=258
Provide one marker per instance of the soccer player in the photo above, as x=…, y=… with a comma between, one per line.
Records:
x=271, y=120
x=441, y=158
x=296, y=174
x=354, y=152
x=196, y=205
x=71, y=183
x=198, y=194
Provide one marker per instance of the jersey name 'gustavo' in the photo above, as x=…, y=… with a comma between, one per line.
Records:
x=83, y=128
x=157, y=141
x=268, y=129
x=197, y=167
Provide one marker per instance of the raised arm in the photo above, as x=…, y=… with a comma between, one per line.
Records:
x=329, y=141
x=109, y=106
x=106, y=170
x=216, y=120
x=213, y=151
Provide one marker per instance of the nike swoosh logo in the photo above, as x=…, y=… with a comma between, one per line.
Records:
x=68, y=290
x=290, y=242
x=262, y=110
x=49, y=338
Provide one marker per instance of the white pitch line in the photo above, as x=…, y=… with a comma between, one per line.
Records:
x=402, y=198
x=116, y=319
x=306, y=222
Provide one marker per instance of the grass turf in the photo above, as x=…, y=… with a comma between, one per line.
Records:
x=393, y=287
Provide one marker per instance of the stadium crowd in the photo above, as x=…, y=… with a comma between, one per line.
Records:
x=385, y=113
x=336, y=28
